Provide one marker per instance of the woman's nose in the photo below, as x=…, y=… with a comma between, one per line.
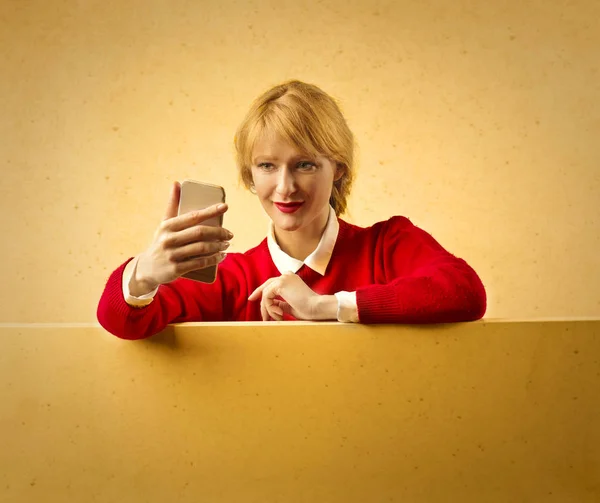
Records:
x=286, y=183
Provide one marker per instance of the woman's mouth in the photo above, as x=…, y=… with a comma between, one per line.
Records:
x=288, y=207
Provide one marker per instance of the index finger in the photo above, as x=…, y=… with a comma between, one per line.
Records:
x=255, y=294
x=195, y=217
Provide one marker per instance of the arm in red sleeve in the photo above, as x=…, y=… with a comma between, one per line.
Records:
x=179, y=301
x=424, y=283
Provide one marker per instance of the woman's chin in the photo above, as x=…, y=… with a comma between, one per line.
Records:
x=287, y=223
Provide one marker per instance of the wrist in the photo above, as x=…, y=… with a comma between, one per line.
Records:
x=140, y=288
x=326, y=307
x=140, y=285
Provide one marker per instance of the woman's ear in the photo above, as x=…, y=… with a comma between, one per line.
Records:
x=249, y=182
x=339, y=172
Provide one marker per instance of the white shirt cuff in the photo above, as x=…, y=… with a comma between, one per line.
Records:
x=347, y=309
x=142, y=300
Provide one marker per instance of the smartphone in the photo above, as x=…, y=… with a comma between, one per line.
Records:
x=197, y=196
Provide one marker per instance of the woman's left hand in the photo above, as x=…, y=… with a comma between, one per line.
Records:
x=298, y=300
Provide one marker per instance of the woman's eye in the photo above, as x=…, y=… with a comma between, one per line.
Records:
x=266, y=166
x=307, y=166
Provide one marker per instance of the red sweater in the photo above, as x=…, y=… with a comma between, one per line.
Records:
x=399, y=272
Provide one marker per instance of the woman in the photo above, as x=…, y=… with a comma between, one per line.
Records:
x=295, y=151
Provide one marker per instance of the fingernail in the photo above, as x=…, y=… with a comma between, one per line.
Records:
x=221, y=207
x=224, y=246
x=229, y=235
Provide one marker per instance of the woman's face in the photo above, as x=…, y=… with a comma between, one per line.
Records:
x=293, y=187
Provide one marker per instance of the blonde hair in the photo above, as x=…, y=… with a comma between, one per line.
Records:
x=306, y=117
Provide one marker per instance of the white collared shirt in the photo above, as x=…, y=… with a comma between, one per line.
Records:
x=318, y=261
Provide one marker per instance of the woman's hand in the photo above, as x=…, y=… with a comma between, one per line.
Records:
x=181, y=244
x=289, y=294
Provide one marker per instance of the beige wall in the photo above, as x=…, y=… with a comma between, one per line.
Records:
x=489, y=412
x=478, y=120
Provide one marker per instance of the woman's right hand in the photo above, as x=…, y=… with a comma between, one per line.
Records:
x=181, y=244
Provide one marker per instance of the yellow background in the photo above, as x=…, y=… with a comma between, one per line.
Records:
x=480, y=121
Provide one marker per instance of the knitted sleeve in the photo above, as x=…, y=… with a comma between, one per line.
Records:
x=180, y=301
x=423, y=283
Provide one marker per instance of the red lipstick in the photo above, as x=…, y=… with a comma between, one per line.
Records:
x=288, y=207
